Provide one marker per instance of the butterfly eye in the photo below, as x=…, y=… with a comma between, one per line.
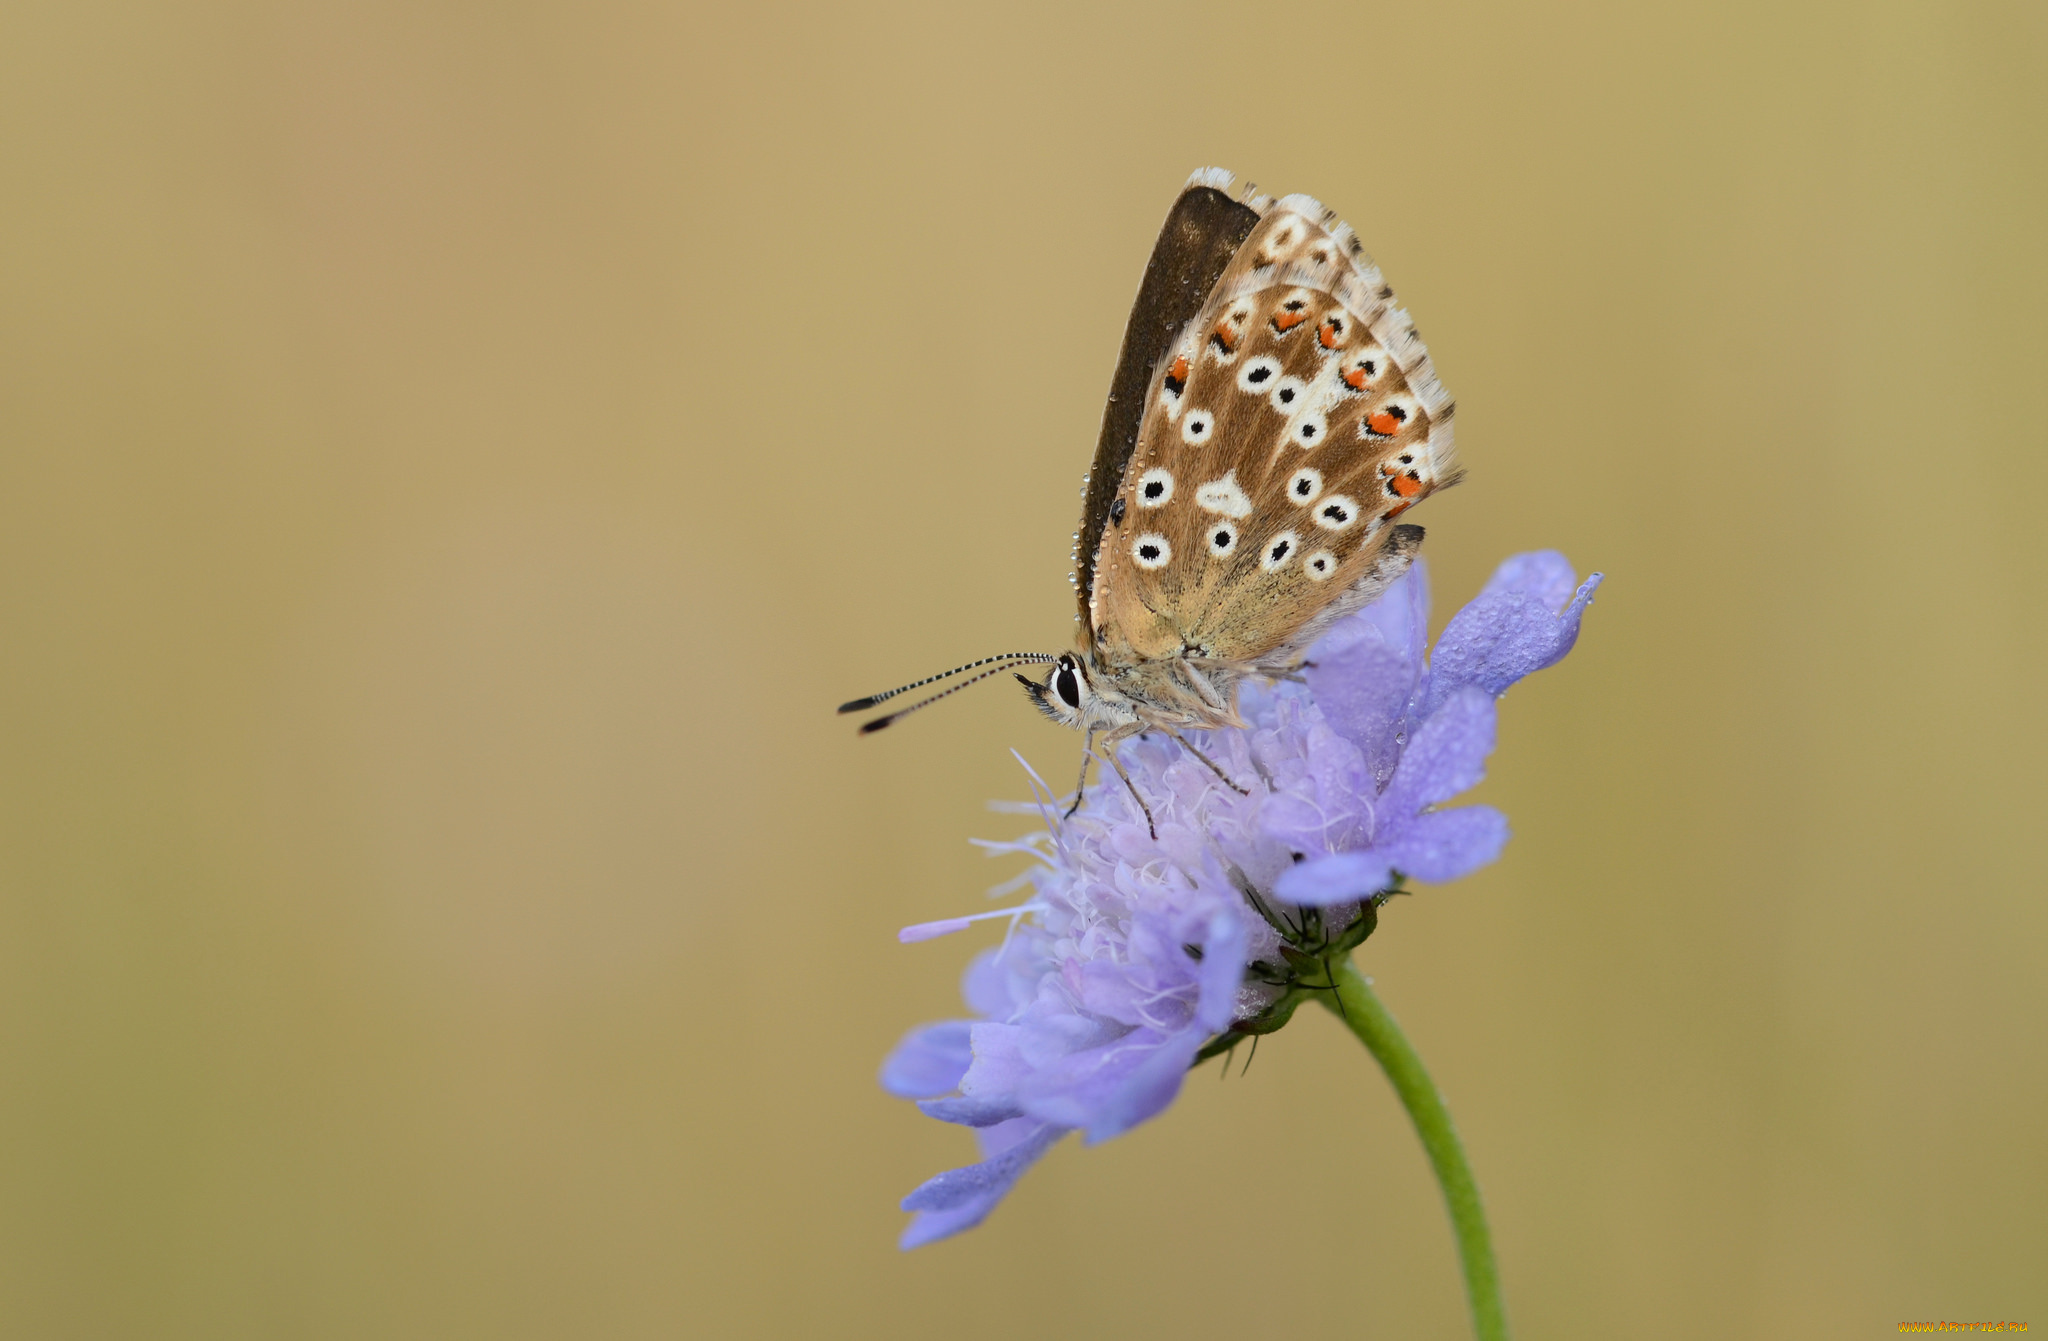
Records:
x=1258, y=374
x=1336, y=513
x=1278, y=551
x=1309, y=430
x=1288, y=394
x=1067, y=684
x=1305, y=485
x=1155, y=486
x=1222, y=539
x=1151, y=550
x=1319, y=565
x=1194, y=430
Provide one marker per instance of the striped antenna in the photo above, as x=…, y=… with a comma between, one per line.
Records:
x=1008, y=658
x=881, y=722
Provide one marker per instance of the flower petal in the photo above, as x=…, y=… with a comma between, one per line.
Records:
x=961, y=1198
x=992, y=986
x=1446, y=844
x=1518, y=625
x=1110, y=1088
x=1007, y=1056
x=1364, y=671
x=929, y=1061
x=1446, y=757
x=1542, y=573
x=1148, y=1087
x=1107, y=989
x=1363, y=687
x=1400, y=613
x=1338, y=877
x=1223, y=957
x=971, y=1112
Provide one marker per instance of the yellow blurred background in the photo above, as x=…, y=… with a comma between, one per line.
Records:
x=453, y=459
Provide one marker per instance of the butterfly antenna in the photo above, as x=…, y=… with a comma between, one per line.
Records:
x=881, y=722
x=875, y=700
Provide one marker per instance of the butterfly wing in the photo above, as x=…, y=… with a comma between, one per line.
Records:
x=1292, y=420
x=1203, y=230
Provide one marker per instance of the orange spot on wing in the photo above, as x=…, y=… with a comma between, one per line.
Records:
x=1355, y=379
x=1286, y=321
x=1226, y=334
x=1327, y=336
x=1179, y=371
x=1384, y=423
x=1398, y=509
x=1406, y=485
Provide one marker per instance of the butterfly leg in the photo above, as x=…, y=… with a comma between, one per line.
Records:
x=1151, y=827
x=1081, y=787
x=1188, y=745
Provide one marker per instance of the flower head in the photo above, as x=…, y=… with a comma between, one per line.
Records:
x=1138, y=953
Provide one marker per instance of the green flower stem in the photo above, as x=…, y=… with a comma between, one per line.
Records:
x=1362, y=1012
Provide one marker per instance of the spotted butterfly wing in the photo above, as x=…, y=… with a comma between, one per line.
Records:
x=1288, y=423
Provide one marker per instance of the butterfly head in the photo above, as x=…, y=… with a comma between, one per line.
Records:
x=1075, y=693
x=1065, y=694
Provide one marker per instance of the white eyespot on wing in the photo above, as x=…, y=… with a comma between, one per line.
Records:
x=1151, y=550
x=1289, y=394
x=1225, y=497
x=1221, y=538
x=1336, y=513
x=1278, y=551
x=1258, y=375
x=1319, y=565
x=1305, y=486
x=1196, y=429
x=1308, y=430
x=1282, y=240
x=1155, y=487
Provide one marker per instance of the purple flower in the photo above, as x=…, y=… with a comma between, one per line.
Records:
x=1136, y=952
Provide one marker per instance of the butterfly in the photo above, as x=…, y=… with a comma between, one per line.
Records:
x=1272, y=413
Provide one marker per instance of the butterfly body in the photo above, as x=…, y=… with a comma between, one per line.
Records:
x=1245, y=497
x=1271, y=415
